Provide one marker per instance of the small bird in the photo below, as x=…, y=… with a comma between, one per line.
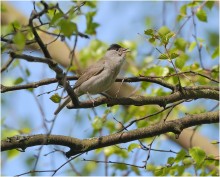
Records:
x=100, y=76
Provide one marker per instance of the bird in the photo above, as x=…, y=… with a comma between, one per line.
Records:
x=100, y=76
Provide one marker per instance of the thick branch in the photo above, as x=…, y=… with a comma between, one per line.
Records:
x=77, y=146
x=152, y=100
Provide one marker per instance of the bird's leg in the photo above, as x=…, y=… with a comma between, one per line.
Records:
x=91, y=99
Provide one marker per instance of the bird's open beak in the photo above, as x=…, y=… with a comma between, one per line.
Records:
x=125, y=50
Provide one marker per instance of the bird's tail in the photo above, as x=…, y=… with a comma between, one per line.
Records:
x=65, y=103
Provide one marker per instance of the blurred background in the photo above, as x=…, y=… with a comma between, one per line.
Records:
x=119, y=22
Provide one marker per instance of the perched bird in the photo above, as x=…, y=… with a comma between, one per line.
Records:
x=99, y=77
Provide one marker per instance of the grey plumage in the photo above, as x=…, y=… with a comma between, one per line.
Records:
x=99, y=77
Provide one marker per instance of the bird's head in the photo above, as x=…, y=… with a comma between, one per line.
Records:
x=116, y=50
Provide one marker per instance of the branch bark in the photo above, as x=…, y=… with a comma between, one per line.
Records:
x=151, y=100
x=78, y=146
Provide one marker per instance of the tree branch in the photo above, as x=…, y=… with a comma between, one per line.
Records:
x=78, y=146
x=126, y=79
x=60, y=75
x=54, y=66
x=151, y=100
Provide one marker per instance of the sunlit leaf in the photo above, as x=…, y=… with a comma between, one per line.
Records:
x=174, y=55
x=18, y=80
x=91, y=25
x=183, y=10
x=198, y=155
x=209, y=4
x=214, y=142
x=67, y=27
x=215, y=54
x=163, y=30
x=97, y=123
x=12, y=153
x=180, y=155
x=149, y=32
x=151, y=40
x=201, y=15
x=180, y=43
x=181, y=60
x=192, y=46
x=170, y=160
x=150, y=167
x=187, y=161
x=56, y=18
x=91, y=4
x=55, y=98
x=133, y=146
x=19, y=40
x=163, y=56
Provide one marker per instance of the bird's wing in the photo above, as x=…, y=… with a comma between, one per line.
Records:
x=92, y=70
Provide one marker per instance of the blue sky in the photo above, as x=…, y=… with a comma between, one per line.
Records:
x=118, y=21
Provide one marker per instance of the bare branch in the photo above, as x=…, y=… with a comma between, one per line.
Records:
x=6, y=65
x=54, y=66
x=150, y=79
x=78, y=146
x=192, y=93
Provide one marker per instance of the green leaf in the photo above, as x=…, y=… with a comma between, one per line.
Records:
x=215, y=142
x=13, y=153
x=198, y=155
x=170, y=35
x=91, y=4
x=67, y=27
x=133, y=146
x=30, y=160
x=163, y=56
x=150, y=167
x=209, y=4
x=181, y=60
x=163, y=30
x=111, y=150
x=19, y=40
x=215, y=53
x=201, y=15
x=151, y=40
x=97, y=123
x=56, y=18
x=136, y=170
x=91, y=26
x=16, y=25
x=170, y=160
x=149, y=32
x=183, y=10
x=193, y=4
x=27, y=72
x=187, y=161
x=180, y=43
x=18, y=80
x=192, y=46
x=180, y=170
x=55, y=98
x=120, y=166
x=180, y=156
x=174, y=55
x=158, y=172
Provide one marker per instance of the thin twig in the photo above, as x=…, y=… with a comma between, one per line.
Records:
x=111, y=162
x=6, y=65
